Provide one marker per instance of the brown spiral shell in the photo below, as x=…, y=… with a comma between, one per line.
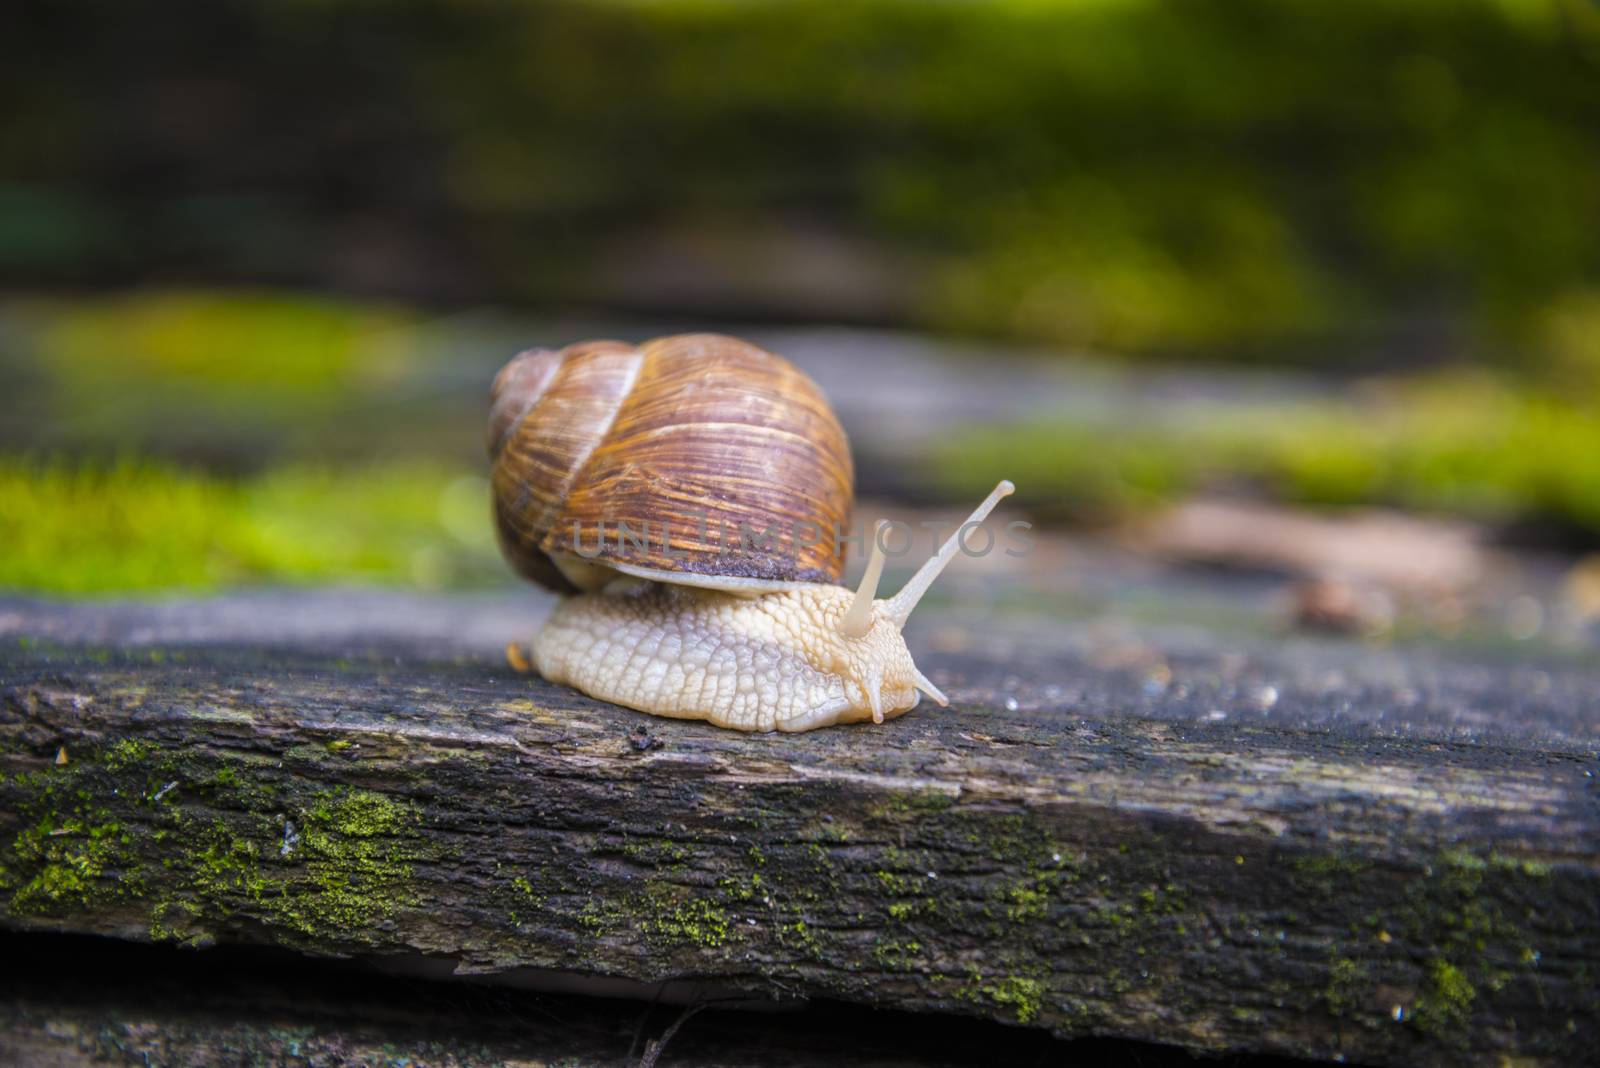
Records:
x=683, y=438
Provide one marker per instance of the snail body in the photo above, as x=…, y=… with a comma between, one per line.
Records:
x=690, y=437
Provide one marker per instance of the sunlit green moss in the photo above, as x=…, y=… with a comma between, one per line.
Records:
x=296, y=346
x=1454, y=443
x=135, y=526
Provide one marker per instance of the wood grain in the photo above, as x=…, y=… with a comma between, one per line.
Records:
x=1315, y=849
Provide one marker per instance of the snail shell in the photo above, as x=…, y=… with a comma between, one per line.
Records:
x=687, y=440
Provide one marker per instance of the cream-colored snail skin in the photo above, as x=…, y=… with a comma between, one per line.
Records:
x=695, y=627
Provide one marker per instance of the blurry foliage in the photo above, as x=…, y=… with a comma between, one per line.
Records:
x=1454, y=442
x=265, y=346
x=235, y=380
x=1363, y=184
x=1244, y=176
x=133, y=526
x=352, y=434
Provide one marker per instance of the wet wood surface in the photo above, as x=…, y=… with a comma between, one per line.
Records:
x=1315, y=848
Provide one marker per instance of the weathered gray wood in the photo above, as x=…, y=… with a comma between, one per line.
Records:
x=79, y=1001
x=1308, y=848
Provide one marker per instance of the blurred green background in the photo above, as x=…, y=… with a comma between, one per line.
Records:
x=259, y=260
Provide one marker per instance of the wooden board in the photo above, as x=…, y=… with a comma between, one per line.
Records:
x=1317, y=849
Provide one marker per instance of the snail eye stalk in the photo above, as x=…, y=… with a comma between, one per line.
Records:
x=902, y=604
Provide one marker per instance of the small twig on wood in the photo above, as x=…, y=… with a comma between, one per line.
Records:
x=656, y=1046
x=644, y=1019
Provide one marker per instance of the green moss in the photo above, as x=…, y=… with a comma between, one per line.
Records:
x=741, y=889
x=1446, y=908
x=358, y=814
x=696, y=921
x=340, y=867
x=356, y=874
x=1460, y=906
x=597, y=917
x=893, y=883
x=72, y=862
x=1325, y=865
x=1444, y=1006
x=661, y=854
x=911, y=804
x=1028, y=899
x=1166, y=899
x=70, y=852
x=893, y=955
x=1347, y=984
x=125, y=754
x=523, y=900
x=1118, y=916
x=1461, y=860
x=799, y=935
x=136, y=526
x=225, y=865
x=1536, y=869
x=1455, y=443
x=244, y=786
x=1024, y=996
x=176, y=921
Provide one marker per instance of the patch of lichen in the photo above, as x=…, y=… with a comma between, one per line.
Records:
x=892, y=954
x=693, y=921
x=329, y=878
x=776, y=890
x=1023, y=996
x=1346, y=987
x=600, y=916
x=1322, y=875
x=63, y=864
x=657, y=853
x=1009, y=887
x=517, y=896
x=125, y=753
x=354, y=865
x=1469, y=914
x=1444, y=1005
x=325, y=869
x=69, y=852
x=177, y=921
x=1462, y=908
x=911, y=804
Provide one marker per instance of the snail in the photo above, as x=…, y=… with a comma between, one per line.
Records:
x=687, y=495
